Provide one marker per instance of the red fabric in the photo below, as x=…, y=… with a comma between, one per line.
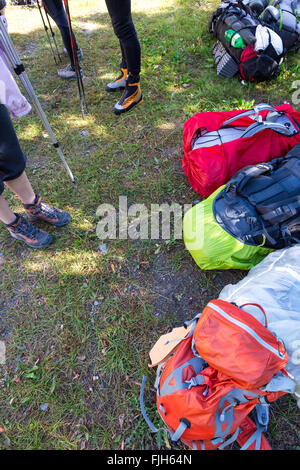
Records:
x=248, y=428
x=209, y=168
x=248, y=53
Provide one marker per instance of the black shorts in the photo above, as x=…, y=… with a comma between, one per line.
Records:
x=12, y=159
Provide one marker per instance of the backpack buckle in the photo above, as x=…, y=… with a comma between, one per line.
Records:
x=195, y=381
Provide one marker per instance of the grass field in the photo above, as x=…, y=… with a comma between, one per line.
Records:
x=78, y=324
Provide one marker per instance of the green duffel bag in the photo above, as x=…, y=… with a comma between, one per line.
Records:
x=211, y=246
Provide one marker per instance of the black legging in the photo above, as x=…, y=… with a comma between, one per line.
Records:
x=12, y=159
x=57, y=12
x=120, y=14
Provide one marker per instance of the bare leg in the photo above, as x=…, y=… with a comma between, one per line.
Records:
x=22, y=188
x=6, y=214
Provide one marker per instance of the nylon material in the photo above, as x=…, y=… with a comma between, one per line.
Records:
x=218, y=137
x=244, y=221
x=211, y=246
x=252, y=356
x=275, y=285
x=248, y=329
x=179, y=376
x=209, y=169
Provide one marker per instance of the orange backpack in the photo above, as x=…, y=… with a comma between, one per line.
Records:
x=227, y=366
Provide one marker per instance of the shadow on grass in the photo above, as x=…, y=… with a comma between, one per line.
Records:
x=82, y=323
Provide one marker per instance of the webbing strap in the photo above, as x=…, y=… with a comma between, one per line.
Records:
x=245, y=175
x=174, y=382
x=282, y=213
x=158, y=375
x=143, y=409
x=179, y=431
x=256, y=437
x=194, y=320
x=261, y=417
x=230, y=440
x=194, y=381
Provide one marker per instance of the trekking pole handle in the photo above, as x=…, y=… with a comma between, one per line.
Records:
x=260, y=307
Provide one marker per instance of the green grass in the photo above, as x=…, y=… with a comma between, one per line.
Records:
x=79, y=325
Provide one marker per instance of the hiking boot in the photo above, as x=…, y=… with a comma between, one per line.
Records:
x=132, y=96
x=24, y=231
x=38, y=210
x=79, y=53
x=119, y=83
x=68, y=73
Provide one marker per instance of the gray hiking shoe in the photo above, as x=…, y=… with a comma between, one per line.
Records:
x=68, y=73
x=24, y=231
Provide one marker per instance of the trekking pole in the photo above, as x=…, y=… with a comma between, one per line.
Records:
x=52, y=32
x=47, y=33
x=81, y=92
x=19, y=69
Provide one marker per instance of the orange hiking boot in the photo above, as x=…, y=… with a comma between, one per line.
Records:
x=39, y=210
x=131, y=96
x=24, y=231
x=119, y=83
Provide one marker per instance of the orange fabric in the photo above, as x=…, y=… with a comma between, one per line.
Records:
x=235, y=352
x=199, y=404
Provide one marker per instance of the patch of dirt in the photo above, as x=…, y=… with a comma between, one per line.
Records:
x=182, y=293
x=29, y=50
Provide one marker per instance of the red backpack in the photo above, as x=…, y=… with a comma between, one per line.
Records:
x=204, y=392
x=218, y=144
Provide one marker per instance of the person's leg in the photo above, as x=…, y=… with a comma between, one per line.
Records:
x=119, y=83
x=57, y=12
x=22, y=188
x=120, y=13
x=34, y=206
x=7, y=216
x=18, y=227
x=12, y=174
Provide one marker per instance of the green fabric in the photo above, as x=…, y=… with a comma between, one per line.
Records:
x=211, y=246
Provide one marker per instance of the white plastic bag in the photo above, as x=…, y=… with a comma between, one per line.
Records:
x=275, y=285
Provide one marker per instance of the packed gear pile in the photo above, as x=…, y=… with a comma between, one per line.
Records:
x=228, y=365
x=253, y=37
x=217, y=374
x=258, y=210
